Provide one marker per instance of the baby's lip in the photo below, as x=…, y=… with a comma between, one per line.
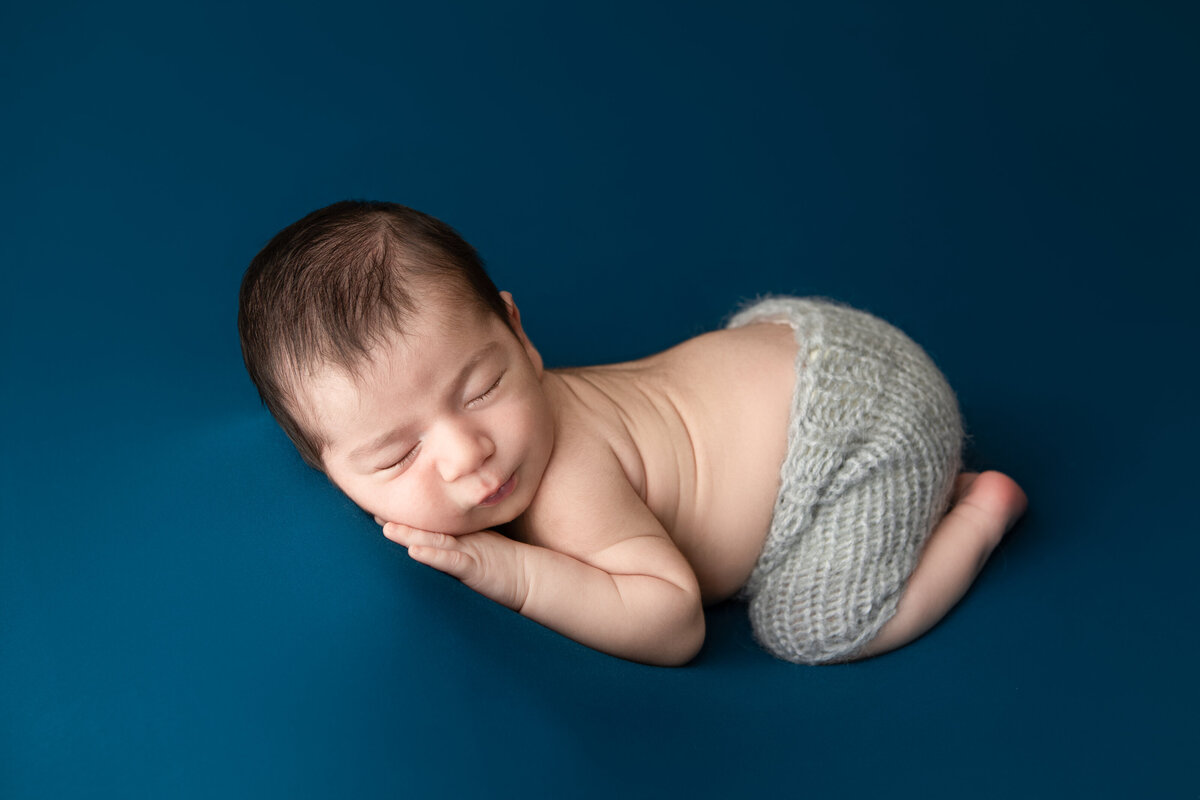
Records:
x=501, y=492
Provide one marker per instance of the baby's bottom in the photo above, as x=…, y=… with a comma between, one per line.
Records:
x=985, y=507
x=874, y=445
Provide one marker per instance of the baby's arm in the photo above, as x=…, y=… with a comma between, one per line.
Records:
x=614, y=580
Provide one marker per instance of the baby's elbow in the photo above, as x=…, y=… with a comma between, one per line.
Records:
x=689, y=643
x=683, y=637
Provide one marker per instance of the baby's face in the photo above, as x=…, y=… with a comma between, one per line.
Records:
x=447, y=428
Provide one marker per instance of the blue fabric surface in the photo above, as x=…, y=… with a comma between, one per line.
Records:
x=188, y=611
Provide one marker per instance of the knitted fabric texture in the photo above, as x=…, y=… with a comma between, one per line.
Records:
x=874, y=446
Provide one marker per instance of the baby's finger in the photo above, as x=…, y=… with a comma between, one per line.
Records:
x=397, y=533
x=380, y=522
x=408, y=536
x=452, y=562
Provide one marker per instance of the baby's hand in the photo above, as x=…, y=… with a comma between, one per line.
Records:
x=489, y=563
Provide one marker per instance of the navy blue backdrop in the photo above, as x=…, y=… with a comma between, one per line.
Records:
x=188, y=611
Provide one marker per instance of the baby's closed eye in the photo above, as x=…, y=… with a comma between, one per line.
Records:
x=403, y=461
x=490, y=391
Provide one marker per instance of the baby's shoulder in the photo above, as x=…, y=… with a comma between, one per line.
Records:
x=585, y=501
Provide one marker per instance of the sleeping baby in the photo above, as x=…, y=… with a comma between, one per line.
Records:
x=805, y=458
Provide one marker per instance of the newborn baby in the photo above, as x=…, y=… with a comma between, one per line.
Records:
x=803, y=458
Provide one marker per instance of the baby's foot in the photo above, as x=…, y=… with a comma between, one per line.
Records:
x=985, y=506
x=992, y=500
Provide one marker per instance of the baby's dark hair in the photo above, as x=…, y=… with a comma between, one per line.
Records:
x=329, y=287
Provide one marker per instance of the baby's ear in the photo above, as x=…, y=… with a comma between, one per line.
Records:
x=514, y=319
x=514, y=314
x=511, y=305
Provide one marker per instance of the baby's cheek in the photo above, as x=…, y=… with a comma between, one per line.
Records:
x=387, y=506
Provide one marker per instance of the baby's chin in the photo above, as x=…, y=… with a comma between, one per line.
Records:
x=460, y=527
x=493, y=522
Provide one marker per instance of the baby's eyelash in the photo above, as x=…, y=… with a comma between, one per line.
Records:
x=489, y=392
x=408, y=457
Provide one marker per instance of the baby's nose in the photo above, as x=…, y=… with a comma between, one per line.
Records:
x=463, y=453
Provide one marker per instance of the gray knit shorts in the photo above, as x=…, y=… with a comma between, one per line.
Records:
x=874, y=445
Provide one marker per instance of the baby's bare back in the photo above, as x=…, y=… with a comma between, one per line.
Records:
x=700, y=431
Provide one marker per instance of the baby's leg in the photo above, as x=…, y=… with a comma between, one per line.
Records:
x=985, y=508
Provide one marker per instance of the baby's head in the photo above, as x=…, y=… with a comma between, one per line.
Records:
x=392, y=362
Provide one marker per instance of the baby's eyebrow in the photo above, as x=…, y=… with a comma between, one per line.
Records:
x=370, y=447
x=470, y=364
